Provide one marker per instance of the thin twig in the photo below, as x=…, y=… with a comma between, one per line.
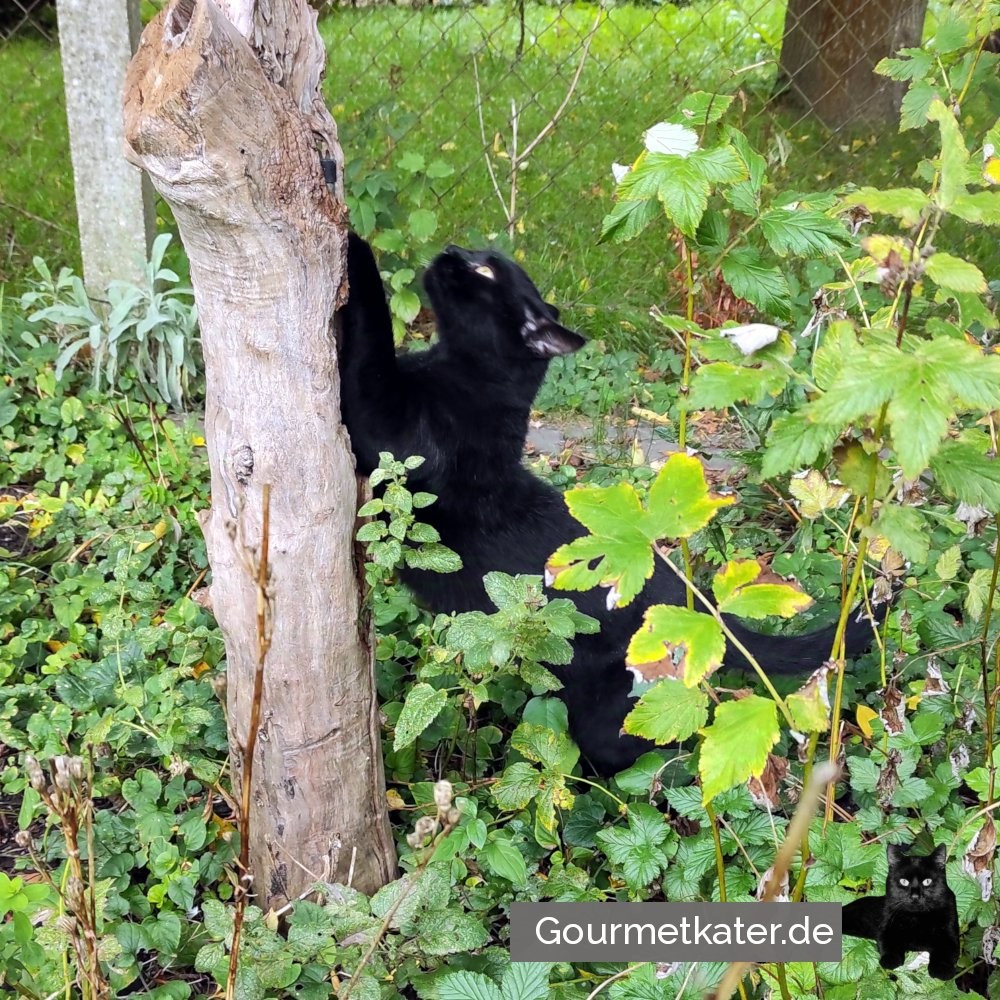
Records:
x=482, y=132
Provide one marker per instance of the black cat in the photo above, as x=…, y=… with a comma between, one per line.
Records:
x=917, y=913
x=464, y=405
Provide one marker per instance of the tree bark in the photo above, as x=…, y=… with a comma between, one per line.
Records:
x=829, y=52
x=223, y=110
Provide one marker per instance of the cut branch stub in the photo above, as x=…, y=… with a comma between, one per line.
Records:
x=238, y=161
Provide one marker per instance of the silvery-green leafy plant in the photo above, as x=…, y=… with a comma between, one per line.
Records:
x=147, y=331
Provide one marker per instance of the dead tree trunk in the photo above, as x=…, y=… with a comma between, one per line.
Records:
x=829, y=52
x=222, y=108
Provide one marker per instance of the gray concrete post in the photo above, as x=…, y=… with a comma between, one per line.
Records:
x=114, y=200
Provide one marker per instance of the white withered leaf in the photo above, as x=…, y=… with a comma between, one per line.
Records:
x=673, y=140
x=752, y=336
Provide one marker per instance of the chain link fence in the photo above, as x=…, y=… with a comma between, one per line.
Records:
x=500, y=121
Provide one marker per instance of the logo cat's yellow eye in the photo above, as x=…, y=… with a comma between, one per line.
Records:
x=486, y=271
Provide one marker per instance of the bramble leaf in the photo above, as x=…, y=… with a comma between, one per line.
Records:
x=668, y=712
x=736, y=744
x=676, y=643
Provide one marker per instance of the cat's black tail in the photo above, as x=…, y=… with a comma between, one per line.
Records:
x=801, y=654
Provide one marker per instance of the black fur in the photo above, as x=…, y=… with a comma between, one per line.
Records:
x=917, y=913
x=464, y=405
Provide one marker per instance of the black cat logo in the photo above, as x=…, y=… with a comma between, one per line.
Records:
x=917, y=913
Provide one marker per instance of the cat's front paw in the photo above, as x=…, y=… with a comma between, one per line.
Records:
x=891, y=959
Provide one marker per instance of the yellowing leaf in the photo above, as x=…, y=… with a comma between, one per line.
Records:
x=677, y=643
x=865, y=716
x=394, y=800
x=809, y=707
x=679, y=499
x=737, y=593
x=815, y=494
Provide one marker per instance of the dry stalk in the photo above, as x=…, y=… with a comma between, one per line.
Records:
x=69, y=801
x=263, y=646
x=822, y=775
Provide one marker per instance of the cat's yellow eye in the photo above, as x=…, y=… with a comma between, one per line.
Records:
x=486, y=271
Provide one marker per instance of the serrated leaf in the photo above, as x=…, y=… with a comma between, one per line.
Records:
x=448, y=932
x=702, y=108
x=422, y=224
x=720, y=384
x=680, y=502
x=618, y=551
x=554, y=751
x=981, y=207
x=420, y=709
x=954, y=155
x=467, y=986
x=963, y=470
x=518, y=784
x=676, y=643
x=751, y=279
x=803, y=233
x=526, y=981
x=954, y=274
x=904, y=529
x=737, y=743
x=809, y=707
x=668, y=712
x=916, y=105
x=793, y=442
x=627, y=219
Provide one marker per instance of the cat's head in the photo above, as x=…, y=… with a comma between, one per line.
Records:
x=486, y=305
x=916, y=883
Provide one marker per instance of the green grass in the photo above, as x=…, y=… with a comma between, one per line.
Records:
x=37, y=211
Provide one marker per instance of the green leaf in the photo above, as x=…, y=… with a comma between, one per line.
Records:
x=504, y=859
x=448, y=932
x=963, y=470
x=554, y=751
x=411, y=162
x=422, y=224
x=915, y=65
x=736, y=744
x=916, y=105
x=751, y=279
x=803, y=232
x=526, y=981
x=680, y=644
x=668, y=712
x=405, y=304
x=684, y=193
x=517, y=786
x=467, y=986
x=954, y=155
x=638, y=849
x=794, y=442
x=434, y=557
x=809, y=707
x=906, y=204
x=814, y=494
x=720, y=384
x=954, y=274
x=702, y=108
x=736, y=593
x=905, y=530
x=718, y=165
x=422, y=705
x=981, y=207
x=627, y=219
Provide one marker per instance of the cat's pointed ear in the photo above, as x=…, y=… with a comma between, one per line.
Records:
x=548, y=339
x=896, y=854
x=938, y=855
